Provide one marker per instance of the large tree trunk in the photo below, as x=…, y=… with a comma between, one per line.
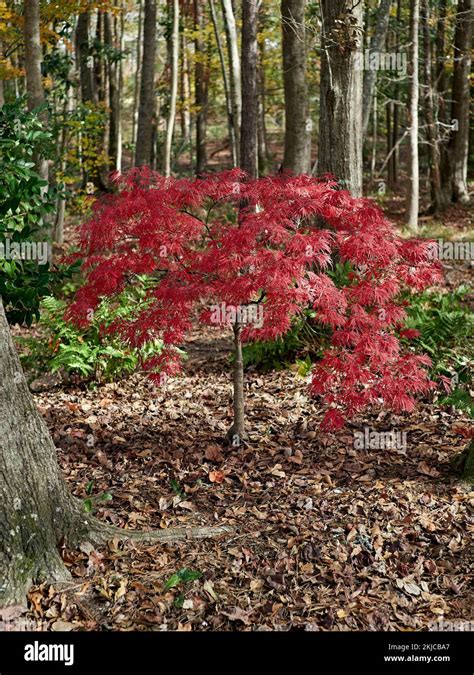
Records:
x=37, y=511
x=297, y=119
x=174, y=88
x=459, y=142
x=235, y=85
x=201, y=90
x=143, y=151
x=249, y=129
x=377, y=43
x=340, y=119
x=414, y=189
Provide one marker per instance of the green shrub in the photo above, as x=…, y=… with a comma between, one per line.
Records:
x=446, y=326
x=90, y=353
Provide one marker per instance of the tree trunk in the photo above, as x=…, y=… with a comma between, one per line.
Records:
x=263, y=155
x=143, y=150
x=114, y=93
x=185, y=93
x=136, y=87
x=200, y=87
x=340, y=120
x=433, y=138
x=2, y=83
x=235, y=85
x=37, y=509
x=413, y=197
x=394, y=157
x=236, y=433
x=459, y=143
x=249, y=129
x=377, y=43
x=86, y=73
x=174, y=88
x=225, y=79
x=297, y=150
x=34, y=80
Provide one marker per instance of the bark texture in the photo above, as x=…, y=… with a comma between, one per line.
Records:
x=297, y=119
x=86, y=71
x=249, y=130
x=235, y=85
x=143, y=151
x=414, y=189
x=33, y=60
x=459, y=143
x=37, y=510
x=200, y=87
x=340, y=120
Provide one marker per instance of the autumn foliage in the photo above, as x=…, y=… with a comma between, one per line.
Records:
x=272, y=241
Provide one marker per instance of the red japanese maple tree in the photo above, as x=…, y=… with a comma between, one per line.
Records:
x=262, y=248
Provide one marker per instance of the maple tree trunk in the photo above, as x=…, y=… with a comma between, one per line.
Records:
x=459, y=143
x=340, y=120
x=414, y=190
x=297, y=120
x=143, y=151
x=237, y=431
x=376, y=45
x=249, y=130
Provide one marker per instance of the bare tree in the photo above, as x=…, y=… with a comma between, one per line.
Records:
x=297, y=119
x=414, y=189
x=340, y=120
x=144, y=146
x=376, y=45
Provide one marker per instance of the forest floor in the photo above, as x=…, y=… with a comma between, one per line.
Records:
x=324, y=536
